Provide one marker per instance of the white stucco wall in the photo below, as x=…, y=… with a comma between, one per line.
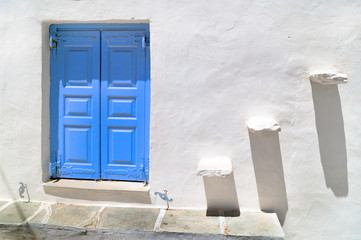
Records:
x=214, y=64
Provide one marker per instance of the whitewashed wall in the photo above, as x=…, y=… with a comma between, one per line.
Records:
x=214, y=64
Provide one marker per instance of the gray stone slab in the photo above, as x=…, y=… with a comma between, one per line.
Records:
x=190, y=221
x=72, y=215
x=51, y=232
x=129, y=218
x=2, y=203
x=254, y=224
x=39, y=217
x=18, y=212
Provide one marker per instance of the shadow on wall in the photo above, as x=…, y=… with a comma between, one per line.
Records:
x=221, y=196
x=45, y=111
x=331, y=137
x=267, y=162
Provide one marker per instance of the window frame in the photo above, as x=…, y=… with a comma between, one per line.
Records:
x=54, y=85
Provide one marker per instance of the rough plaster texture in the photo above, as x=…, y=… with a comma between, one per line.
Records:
x=214, y=167
x=214, y=64
x=329, y=78
x=257, y=124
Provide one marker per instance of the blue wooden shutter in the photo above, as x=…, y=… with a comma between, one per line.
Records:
x=123, y=85
x=78, y=73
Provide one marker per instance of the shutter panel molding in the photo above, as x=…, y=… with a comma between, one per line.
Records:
x=78, y=74
x=99, y=101
x=123, y=85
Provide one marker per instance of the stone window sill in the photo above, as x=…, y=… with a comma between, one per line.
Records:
x=114, y=191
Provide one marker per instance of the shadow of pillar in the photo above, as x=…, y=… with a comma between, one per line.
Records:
x=221, y=196
x=267, y=162
x=331, y=137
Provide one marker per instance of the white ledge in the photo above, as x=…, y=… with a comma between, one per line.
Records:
x=214, y=167
x=258, y=124
x=117, y=191
x=97, y=185
x=329, y=78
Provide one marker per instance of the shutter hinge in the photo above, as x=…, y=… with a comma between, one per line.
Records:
x=145, y=41
x=144, y=44
x=58, y=161
x=146, y=169
x=53, y=164
x=52, y=42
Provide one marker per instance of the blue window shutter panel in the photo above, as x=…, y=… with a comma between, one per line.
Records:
x=99, y=101
x=77, y=72
x=123, y=92
x=54, y=96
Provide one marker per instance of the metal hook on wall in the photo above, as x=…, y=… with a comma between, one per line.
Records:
x=164, y=196
x=22, y=189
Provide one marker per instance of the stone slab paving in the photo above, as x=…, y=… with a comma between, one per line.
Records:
x=39, y=218
x=101, y=219
x=18, y=212
x=2, y=203
x=129, y=218
x=51, y=232
x=190, y=221
x=70, y=215
x=253, y=224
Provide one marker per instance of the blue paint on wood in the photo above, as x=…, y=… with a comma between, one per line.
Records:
x=100, y=129
x=78, y=75
x=123, y=89
x=54, y=112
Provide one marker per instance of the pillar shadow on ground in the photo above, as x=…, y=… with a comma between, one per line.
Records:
x=267, y=162
x=221, y=196
x=331, y=137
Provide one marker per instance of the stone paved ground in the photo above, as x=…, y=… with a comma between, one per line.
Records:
x=35, y=220
x=51, y=232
